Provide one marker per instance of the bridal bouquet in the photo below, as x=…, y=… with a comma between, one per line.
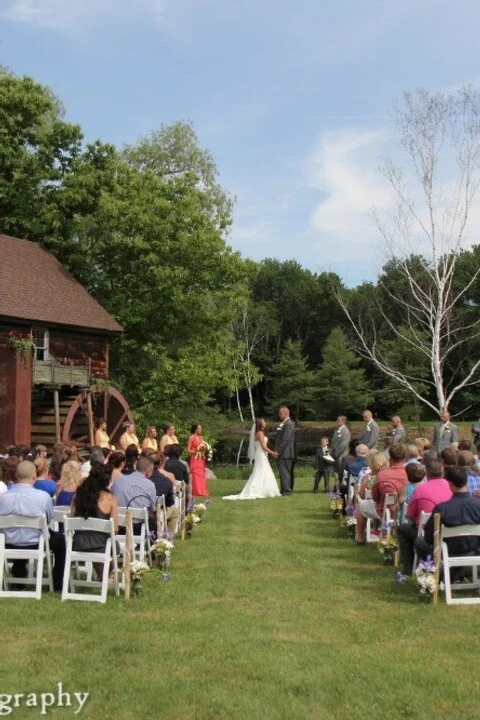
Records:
x=204, y=450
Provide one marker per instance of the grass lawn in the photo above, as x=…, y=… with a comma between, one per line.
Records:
x=271, y=613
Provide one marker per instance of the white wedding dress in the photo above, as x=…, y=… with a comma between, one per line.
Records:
x=262, y=482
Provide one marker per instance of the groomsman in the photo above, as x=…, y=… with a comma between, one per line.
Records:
x=444, y=433
x=370, y=432
x=340, y=443
x=397, y=433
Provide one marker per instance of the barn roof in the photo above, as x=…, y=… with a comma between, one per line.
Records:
x=35, y=286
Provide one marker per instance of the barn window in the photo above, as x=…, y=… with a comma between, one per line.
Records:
x=40, y=338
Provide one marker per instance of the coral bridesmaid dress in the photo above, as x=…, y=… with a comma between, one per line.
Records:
x=198, y=470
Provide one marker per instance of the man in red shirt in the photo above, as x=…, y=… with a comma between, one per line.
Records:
x=388, y=482
x=424, y=498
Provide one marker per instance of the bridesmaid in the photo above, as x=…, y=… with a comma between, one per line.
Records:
x=197, y=462
x=149, y=442
x=101, y=436
x=129, y=437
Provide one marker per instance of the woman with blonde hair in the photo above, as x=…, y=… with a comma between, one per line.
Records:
x=423, y=445
x=376, y=461
x=149, y=442
x=70, y=479
x=129, y=437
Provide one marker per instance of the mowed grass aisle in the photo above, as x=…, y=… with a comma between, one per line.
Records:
x=271, y=613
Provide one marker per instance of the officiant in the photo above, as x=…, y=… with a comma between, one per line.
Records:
x=324, y=464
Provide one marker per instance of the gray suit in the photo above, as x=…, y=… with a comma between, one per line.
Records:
x=340, y=444
x=285, y=446
x=370, y=434
x=398, y=434
x=444, y=436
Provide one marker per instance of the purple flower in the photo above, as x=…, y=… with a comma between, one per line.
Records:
x=350, y=511
x=166, y=535
x=400, y=578
x=427, y=564
x=387, y=526
x=166, y=577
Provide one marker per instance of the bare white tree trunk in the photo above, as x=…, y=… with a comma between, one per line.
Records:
x=424, y=236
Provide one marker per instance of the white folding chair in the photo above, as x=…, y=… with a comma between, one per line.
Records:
x=71, y=579
x=370, y=536
x=389, y=499
x=36, y=556
x=462, y=561
x=161, y=511
x=59, y=512
x=424, y=517
x=181, y=503
x=141, y=539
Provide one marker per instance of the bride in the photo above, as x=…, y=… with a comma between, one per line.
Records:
x=262, y=482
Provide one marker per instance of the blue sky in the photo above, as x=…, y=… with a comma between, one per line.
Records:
x=292, y=98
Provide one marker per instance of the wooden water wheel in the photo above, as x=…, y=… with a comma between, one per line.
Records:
x=97, y=402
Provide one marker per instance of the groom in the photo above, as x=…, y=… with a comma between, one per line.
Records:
x=285, y=450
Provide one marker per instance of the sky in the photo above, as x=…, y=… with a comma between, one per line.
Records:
x=291, y=97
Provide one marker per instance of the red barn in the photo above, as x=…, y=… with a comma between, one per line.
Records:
x=54, y=352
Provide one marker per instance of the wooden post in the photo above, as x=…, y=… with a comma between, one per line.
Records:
x=183, y=507
x=159, y=513
x=436, y=554
x=90, y=418
x=128, y=552
x=56, y=404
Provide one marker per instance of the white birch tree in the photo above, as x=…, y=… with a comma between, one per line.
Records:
x=440, y=134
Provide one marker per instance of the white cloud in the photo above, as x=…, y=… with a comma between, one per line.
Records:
x=73, y=14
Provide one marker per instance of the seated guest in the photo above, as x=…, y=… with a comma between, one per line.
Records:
x=128, y=437
x=70, y=479
x=168, y=438
x=423, y=445
x=376, y=461
x=9, y=470
x=423, y=499
x=415, y=474
x=149, y=442
x=70, y=452
x=55, y=467
x=24, y=499
x=347, y=460
x=131, y=459
x=412, y=455
x=464, y=445
x=96, y=457
x=174, y=464
x=389, y=482
x=136, y=490
x=43, y=482
x=164, y=486
x=93, y=500
x=41, y=451
x=461, y=509
x=116, y=462
x=360, y=462
x=448, y=457
x=466, y=460
x=387, y=444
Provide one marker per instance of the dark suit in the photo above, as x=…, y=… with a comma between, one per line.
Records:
x=285, y=447
x=323, y=468
x=340, y=445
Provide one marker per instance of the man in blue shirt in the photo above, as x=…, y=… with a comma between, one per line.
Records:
x=23, y=499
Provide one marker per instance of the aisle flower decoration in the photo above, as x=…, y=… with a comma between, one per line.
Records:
x=191, y=519
x=138, y=569
x=336, y=504
x=200, y=509
x=350, y=520
x=388, y=546
x=161, y=552
x=424, y=578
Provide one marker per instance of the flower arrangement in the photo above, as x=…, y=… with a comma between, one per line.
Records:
x=23, y=344
x=204, y=450
x=388, y=546
x=138, y=569
x=336, y=504
x=424, y=578
x=191, y=519
x=161, y=552
x=350, y=521
x=200, y=509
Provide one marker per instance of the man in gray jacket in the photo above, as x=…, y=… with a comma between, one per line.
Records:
x=444, y=433
x=285, y=450
x=370, y=431
x=397, y=433
x=340, y=442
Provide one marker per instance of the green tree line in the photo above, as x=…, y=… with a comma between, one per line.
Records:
x=145, y=228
